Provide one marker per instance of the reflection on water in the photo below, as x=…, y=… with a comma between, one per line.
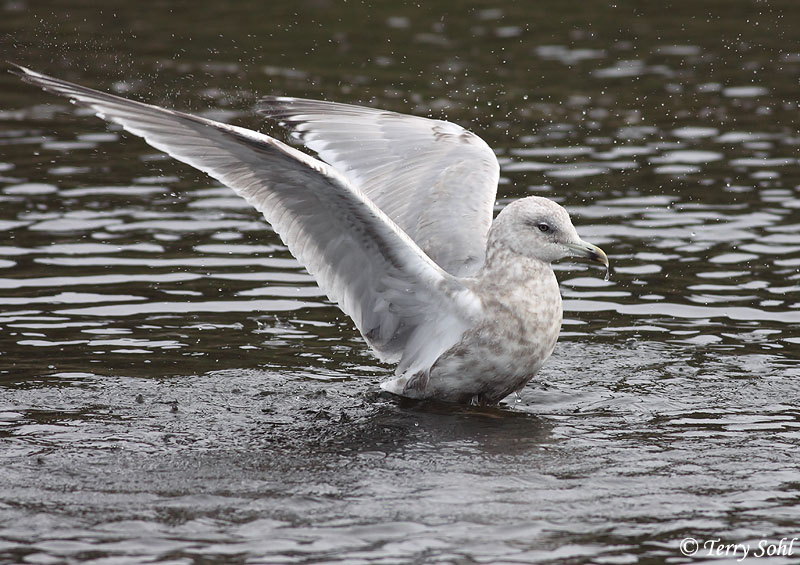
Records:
x=174, y=387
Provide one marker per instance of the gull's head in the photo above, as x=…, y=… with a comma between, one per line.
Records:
x=539, y=228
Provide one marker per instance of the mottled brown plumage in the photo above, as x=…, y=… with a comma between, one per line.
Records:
x=517, y=325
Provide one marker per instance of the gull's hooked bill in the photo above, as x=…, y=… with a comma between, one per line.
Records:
x=593, y=253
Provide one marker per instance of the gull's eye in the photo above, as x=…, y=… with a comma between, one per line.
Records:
x=544, y=228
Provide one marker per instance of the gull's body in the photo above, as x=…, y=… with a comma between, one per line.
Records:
x=395, y=224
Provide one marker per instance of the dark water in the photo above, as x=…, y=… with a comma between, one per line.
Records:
x=174, y=388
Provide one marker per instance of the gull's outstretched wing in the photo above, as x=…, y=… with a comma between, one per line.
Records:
x=406, y=307
x=436, y=180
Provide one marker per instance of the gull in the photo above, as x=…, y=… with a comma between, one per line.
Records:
x=394, y=222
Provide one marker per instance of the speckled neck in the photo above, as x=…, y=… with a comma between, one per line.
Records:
x=503, y=264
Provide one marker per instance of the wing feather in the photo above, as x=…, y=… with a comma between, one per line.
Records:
x=436, y=180
x=406, y=307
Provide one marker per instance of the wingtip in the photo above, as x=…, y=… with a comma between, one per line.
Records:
x=272, y=101
x=268, y=103
x=23, y=72
x=17, y=69
x=278, y=99
x=275, y=107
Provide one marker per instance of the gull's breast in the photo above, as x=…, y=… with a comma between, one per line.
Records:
x=498, y=355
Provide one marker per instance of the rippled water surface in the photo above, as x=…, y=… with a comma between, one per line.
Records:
x=175, y=388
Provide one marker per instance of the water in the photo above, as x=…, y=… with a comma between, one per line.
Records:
x=175, y=388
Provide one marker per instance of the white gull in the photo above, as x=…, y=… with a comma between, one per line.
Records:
x=394, y=221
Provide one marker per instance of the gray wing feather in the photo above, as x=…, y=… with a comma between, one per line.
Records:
x=436, y=180
x=406, y=307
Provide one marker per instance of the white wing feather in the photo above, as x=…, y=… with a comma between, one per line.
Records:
x=406, y=307
x=436, y=180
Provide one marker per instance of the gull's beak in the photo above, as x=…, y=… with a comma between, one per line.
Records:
x=591, y=252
